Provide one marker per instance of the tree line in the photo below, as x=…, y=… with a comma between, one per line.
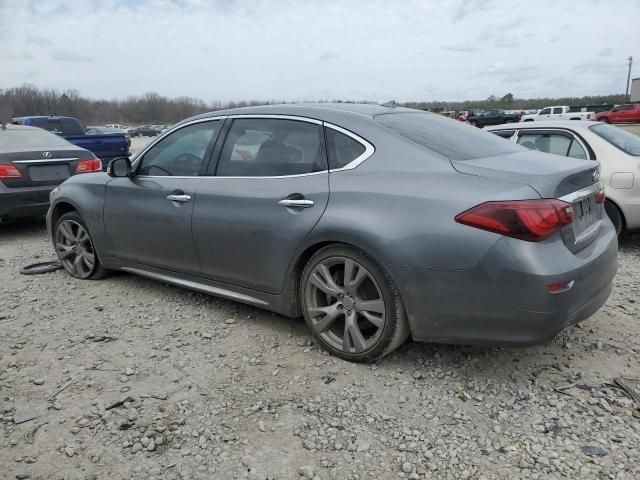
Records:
x=152, y=108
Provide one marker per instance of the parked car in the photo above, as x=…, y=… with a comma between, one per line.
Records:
x=118, y=126
x=492, y=117
x=105, y=146
x=403, y=222
x=617, y=151
x=627, y=113
x=561, y=112
x=144, y=131
x=32, y=163
x=109, y=131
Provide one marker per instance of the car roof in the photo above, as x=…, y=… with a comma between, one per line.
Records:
x=314, y=110
x=570, y=124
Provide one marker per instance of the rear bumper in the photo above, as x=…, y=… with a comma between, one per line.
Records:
x=504, y=299
x=24, y=201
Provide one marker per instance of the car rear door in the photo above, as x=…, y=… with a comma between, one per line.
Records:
x=148, y=216
x=266, y=191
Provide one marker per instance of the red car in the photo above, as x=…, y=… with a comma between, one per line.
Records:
x=627, y=113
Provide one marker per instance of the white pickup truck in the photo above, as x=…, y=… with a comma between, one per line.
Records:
x=558, y=113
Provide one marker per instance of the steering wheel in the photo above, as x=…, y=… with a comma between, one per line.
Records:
x=188, y=162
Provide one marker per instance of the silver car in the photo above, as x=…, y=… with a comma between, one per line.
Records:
x=373, y=222
x=617, y=151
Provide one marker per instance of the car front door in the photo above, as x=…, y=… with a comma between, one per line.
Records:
x=148, y=216
x=266, y=191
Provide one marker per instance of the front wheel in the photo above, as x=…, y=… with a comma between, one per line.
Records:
x=351, y=304
x=75, y=249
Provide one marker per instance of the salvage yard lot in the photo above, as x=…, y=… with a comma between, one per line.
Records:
x=216, y=389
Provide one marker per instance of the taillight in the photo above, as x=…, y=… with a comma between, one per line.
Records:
x=93, y=165
x=9, y=171
x=600, y=196
x=531, y=220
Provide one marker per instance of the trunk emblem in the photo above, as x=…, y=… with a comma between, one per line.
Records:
x=47, y=154
x=595, y=176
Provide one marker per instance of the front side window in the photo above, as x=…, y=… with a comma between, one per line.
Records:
x=625, y=141
x=447, y=137
x=342, y=149
x=545, y=111
x=182, y=153
x=269, y=147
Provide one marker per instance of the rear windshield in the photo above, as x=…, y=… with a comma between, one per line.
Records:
x=451, y=138
x=27, y=138
x=625, y=141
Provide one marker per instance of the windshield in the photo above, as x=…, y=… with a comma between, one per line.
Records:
x=625, y=141
x=28, y=137
x=451, y=138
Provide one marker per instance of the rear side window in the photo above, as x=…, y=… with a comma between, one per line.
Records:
x=544, y=142
x=267, y=147
x=342, y=149
x=71, y=127
x=557, y=110
x=447, y=137
x=625, y=141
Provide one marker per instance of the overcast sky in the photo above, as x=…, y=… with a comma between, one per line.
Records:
x=311, y=50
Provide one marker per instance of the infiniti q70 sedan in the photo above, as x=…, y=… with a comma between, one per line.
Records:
x=372, y=222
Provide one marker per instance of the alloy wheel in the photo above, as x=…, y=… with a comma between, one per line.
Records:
x=74, y=249
x=345, y=305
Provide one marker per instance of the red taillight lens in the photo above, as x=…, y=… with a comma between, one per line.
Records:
x=84, y=166
x=531, y=220
x=9, y=171
x=600, y=196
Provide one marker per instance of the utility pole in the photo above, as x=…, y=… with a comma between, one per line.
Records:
x=626, y=92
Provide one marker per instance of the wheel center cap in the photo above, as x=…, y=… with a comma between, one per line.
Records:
x=348, y=302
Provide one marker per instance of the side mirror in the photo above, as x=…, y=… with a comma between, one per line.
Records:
x=119, y=168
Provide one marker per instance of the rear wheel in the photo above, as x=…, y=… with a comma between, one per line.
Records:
x=614, y=213
x=75, y=249
x=351, y=304
x=604, y=119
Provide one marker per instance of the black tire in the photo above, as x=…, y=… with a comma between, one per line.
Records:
x=94, y=271
x=387, y=337
x=604, y=120
x=614, y=213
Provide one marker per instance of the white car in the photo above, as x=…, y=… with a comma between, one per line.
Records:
x=558, y=112
x=118, y=126
x=617, y=150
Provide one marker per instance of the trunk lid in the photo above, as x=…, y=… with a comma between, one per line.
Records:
x=552, y=176
x=40, y=166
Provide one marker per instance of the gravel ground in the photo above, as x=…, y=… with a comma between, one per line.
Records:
x=131, y=378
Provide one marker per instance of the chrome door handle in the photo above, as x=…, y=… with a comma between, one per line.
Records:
x=294, y=203
x=179, y=198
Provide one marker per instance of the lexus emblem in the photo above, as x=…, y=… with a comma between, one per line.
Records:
x=595, y=176
x=47, y=154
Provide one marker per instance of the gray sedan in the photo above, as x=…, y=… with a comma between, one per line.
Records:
x=373, y=222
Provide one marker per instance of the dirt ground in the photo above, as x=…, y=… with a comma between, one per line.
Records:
x=130, y=378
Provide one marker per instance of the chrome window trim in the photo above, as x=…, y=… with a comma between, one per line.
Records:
x=582, y=194
x=368, y=148
x=50, y=160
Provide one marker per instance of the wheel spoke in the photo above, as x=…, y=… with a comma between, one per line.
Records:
x=88, y=258
x=350, y=281
x=82, y=236
x=331, y=313
x=374, y=320
x=323, y=280
x=66, y=231
x=353, y=338
x=376, y=306
x=77, y=265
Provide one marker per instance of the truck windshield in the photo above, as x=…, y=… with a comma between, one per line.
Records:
x=625, y=141
x=29, y=137
x=451, y=138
